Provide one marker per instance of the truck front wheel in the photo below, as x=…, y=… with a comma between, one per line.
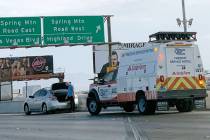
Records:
x=93, y=106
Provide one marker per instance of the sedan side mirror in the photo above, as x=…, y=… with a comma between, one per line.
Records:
x=31, y=97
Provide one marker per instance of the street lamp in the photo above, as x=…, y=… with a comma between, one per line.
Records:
x=11, y=74
x=184, y=21
x=26, y=89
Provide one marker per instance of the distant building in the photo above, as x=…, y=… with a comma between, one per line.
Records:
x=5, y=91
x=30, y=90
x=208, y=82
x=207, y=77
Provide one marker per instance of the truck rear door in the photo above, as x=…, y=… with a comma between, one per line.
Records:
x=180, y=68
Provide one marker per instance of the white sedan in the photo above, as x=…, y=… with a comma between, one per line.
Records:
x=45, y=100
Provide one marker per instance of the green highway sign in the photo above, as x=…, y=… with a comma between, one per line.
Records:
x=20, y=31
x=60, y=30
x=52, y=30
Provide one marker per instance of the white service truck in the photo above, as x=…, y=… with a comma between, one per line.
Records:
x=165, y=72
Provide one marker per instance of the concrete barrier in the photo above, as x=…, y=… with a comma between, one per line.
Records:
x=11, y=107
x=208, y=100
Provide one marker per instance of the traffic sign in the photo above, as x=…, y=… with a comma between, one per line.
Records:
x=20, y=31
x=60, y=30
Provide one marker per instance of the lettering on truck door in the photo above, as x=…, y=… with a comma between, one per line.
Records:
x=180, y=68
x=107, y=92
x=180, y=62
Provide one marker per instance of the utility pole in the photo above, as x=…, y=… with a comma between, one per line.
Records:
x=109, y=38
x=26, y=89
x=184, y=21
x=184, y=16
x=11, y=74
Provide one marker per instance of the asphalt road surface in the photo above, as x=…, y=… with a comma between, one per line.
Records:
x=115, y=125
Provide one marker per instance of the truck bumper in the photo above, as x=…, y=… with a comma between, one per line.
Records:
x=181, y=94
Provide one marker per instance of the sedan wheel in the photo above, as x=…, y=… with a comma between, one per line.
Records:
x=26, y=110
x=44, y=109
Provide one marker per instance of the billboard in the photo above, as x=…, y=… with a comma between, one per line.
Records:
x=17, y=68
x=101, y=59
x=102, y=53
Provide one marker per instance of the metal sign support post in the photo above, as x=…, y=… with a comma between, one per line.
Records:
x=94, y=65
x=0, y=90
x=11, y=78
x=11, y=90
x=109, y=38
x=26, y=89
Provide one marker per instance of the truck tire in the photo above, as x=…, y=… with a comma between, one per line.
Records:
x=93, y=106
x=151, y=107
x=184, y=105
x=142, y=105
x=129, y=107
x=146, y=107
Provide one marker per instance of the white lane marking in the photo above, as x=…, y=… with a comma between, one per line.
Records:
x=207, y=137
x=134, y=130
x=12, y=114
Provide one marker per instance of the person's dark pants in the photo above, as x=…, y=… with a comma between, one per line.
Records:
x=72, y=103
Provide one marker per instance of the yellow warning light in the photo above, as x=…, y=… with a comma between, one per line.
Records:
x=155, y=49
x=201, y=82
x=179, y=45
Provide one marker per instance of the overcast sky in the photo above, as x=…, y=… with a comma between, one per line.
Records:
x=133, y=21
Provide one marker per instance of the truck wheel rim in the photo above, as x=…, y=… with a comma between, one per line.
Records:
x=142, y=105
x=92, y=106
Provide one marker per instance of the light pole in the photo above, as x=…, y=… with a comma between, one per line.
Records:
x=26, y=89
x=11, y=74
x=184, y=16
x=184, y=21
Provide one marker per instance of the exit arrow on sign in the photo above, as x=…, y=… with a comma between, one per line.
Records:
x=98, y=28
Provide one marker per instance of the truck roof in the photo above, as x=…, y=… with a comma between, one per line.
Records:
x=172, y=36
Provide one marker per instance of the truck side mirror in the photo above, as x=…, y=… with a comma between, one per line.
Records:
x=101, y=81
